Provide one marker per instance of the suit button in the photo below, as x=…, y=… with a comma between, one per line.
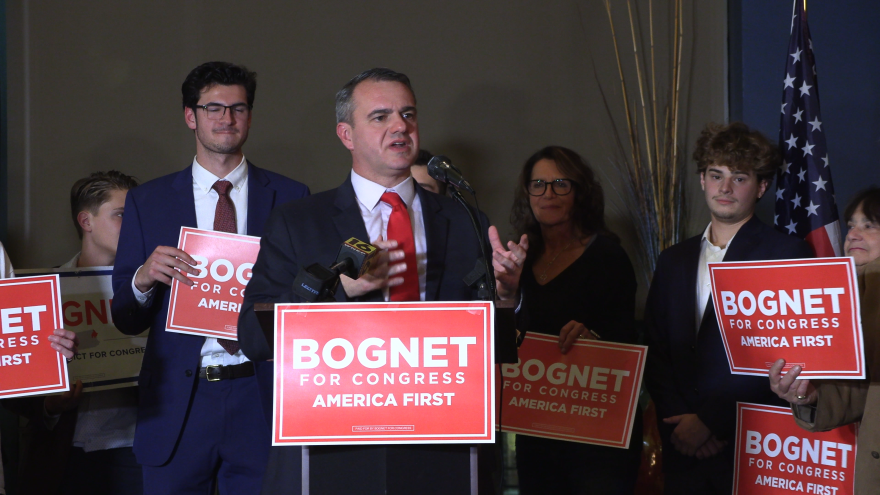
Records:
x=875, y=455
x=696, y=391
x=693, y=348
x=188, y=373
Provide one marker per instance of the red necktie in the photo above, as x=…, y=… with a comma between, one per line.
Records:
x=224, y=221
x=400, y=230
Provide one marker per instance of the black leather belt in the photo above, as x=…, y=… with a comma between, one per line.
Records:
x=215, y=373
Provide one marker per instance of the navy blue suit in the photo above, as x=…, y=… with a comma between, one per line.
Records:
x=154, y=214
x=687, y=371
x=311, y=230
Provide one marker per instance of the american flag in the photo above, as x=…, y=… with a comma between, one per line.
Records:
x=805, y=205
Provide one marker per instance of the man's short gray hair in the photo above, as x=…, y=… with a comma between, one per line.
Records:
x=344, y=103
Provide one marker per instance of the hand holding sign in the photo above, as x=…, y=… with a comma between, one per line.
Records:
x=64, y=341
x=572, y=331
x=163, y=265
x=788, y=387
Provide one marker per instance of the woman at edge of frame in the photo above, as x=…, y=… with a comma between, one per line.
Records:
x=823, y=405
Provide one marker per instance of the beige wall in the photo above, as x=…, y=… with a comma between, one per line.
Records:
x=96, y=85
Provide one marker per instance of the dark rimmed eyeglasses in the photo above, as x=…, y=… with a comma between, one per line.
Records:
x=561, y=187
x=216, y=111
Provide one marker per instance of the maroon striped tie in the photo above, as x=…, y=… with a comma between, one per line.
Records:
x=224, y=221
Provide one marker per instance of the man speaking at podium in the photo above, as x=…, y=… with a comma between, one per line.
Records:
x=427, y=246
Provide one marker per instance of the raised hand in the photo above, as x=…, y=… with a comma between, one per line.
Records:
x=507, y=263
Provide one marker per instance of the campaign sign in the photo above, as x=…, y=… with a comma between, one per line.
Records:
x=30, y=310
x=774, y=455
x=106, y=357
x=210, y=307
x=378, y=373
x=803, y=311
x=589, y=395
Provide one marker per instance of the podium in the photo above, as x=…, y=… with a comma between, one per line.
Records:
x=442, y=468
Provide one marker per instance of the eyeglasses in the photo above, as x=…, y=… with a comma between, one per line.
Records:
x=216, y=111
x=561, y=187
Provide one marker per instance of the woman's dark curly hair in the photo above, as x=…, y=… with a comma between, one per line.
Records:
x=588, y=213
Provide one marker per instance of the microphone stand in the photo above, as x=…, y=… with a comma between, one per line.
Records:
x=479, y=277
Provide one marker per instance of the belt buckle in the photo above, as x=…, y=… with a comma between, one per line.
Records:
x=208, y=372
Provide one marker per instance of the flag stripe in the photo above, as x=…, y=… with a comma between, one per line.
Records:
x=821, y=244
x=805, y=204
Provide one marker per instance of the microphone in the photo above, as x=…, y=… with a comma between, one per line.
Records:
x=355, y=258
x=316, y=282
x=442, y=169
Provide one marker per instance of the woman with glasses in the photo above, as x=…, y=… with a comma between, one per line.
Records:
x=822, y=405
x=576, y=283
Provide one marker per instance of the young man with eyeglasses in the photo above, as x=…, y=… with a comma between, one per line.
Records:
x=687, y=372
x=190, y=430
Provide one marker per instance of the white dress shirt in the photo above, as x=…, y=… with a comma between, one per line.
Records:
x=5, y=265
x=375, y=214
x=206, y=203
x=105, y=419
x=709, y=253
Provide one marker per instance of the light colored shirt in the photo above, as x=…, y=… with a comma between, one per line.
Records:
x=105, y=419
x=206, y=203
x=6, y=270
x=375, y=214
x=709, y=253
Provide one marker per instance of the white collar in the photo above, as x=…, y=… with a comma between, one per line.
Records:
x=205, y=179
x=369, y=193
x=709, y=243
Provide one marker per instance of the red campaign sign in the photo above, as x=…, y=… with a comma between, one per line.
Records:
x=803, y=311
x=589, y=395
x=378, y=373
x=30, y=310
x=774, y=455
x=210, y=307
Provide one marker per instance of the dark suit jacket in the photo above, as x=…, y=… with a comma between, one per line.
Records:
x=154, y=213
x=687, y=371
x=311, y=230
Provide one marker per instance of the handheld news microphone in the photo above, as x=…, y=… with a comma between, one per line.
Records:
x=316, y=282
x=442, y=169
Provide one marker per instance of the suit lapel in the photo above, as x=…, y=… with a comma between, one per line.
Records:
x=744, y=241
x=741, y=246
x=183, y=195
x=436, y=230
x=260, y=200
x=692, y=255
x=349, y=223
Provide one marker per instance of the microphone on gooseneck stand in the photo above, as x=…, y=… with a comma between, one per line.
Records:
x=442, y=169
x=318, y=283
